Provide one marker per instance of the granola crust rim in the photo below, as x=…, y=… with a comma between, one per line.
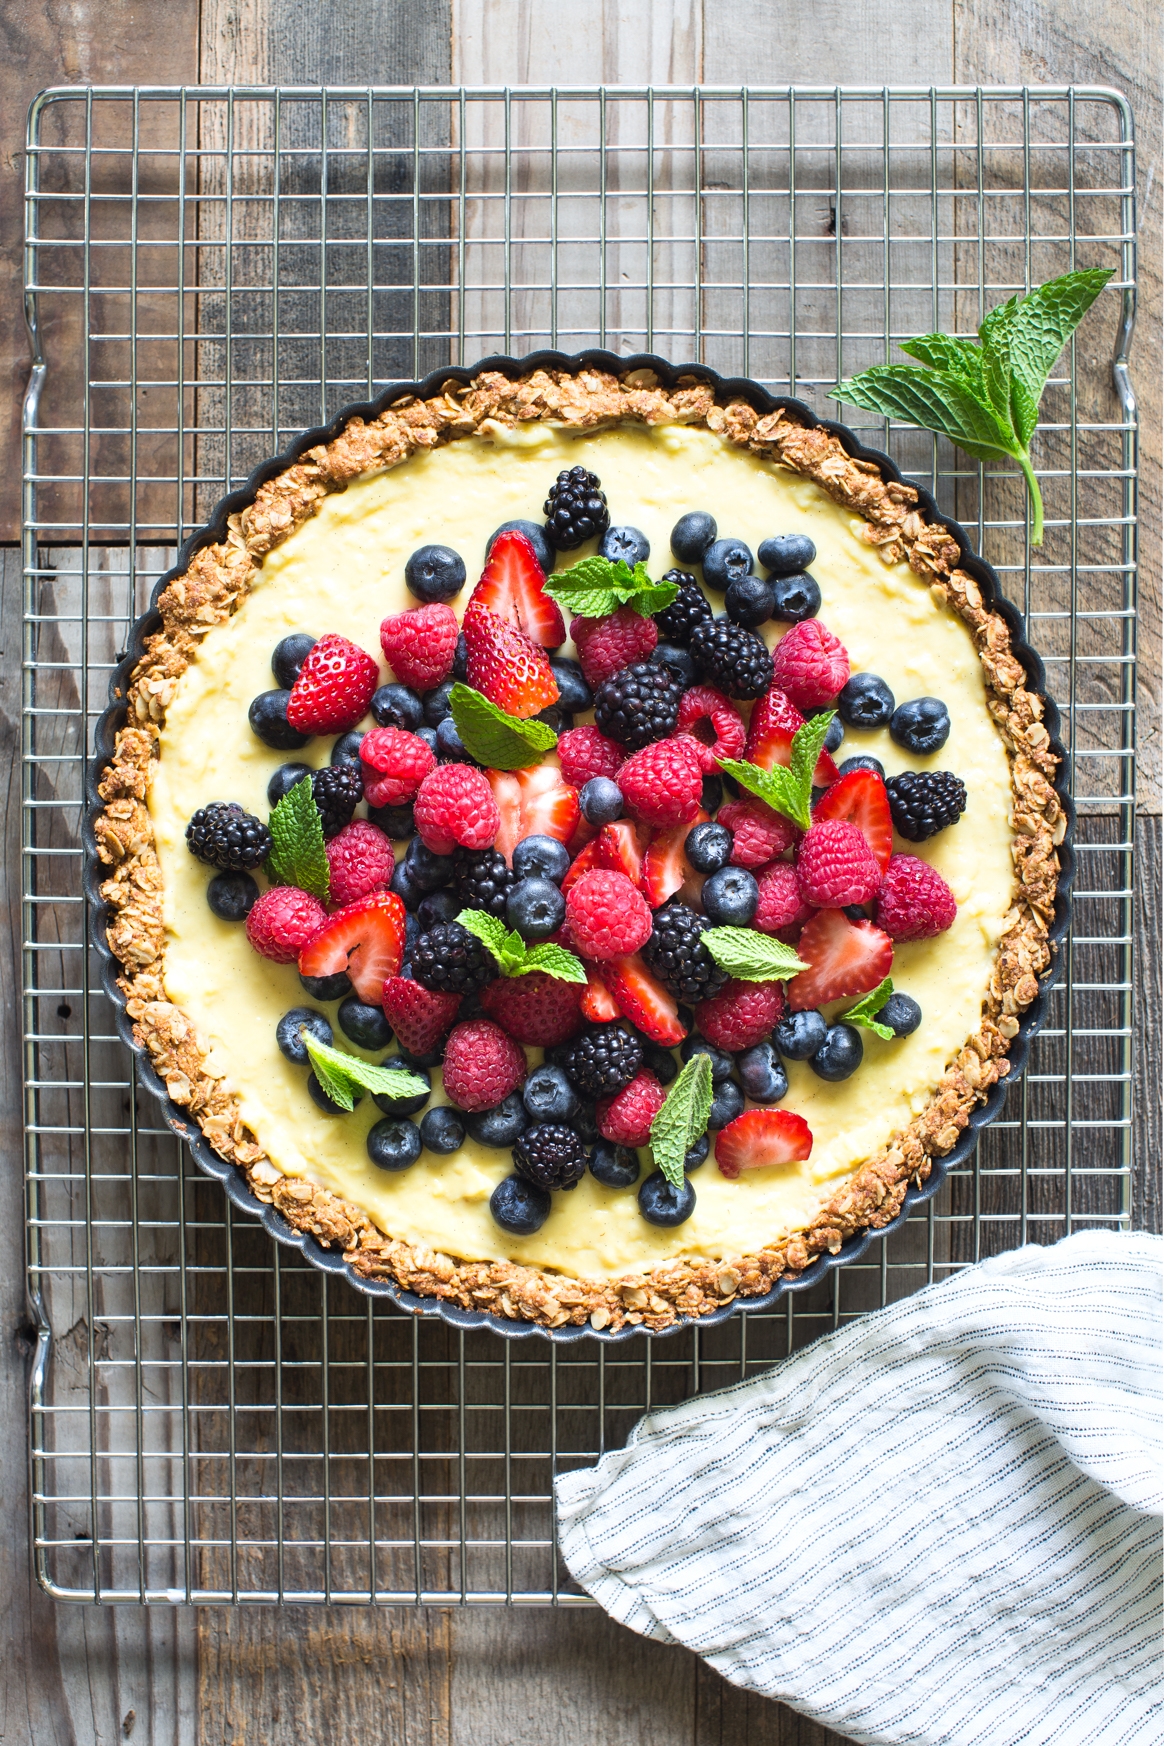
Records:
x=590, y=391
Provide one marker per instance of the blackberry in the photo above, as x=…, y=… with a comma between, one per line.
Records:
x=677, y=955
x=603, y=1061
x=451, y=960
x=337, y=792
x=576, y=509
x=924, y=802
x=736, y=661
x=481, y=880
x=689, y=608
x=551, y=1155
x=639, y=704
x=225, y=836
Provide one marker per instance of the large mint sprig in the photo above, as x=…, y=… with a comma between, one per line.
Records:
x=985, y=395
x=752, y=957
x=595, y=586
x=516, y=958
x=866, y=1010
x=341, y=1076
x=497, y=740
x=787, y=790
x=298, y=856
x=682, y=1118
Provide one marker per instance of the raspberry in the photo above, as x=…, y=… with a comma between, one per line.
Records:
x=455, y=805
x=394, y=764
x=742, y=1015
x=282, y=922
x=334, y=687
x=482, y=1065
x=914, y=901
x=606, y=916
x=759, y=834
x=836, y=866
x=535, y=1008
x=724, y=733
x=663, y=784
x=810, y=664
x=606, y=645
x=361, y=860
x=625, y=1119
x=419, y=1016
x=585, y=752
x=781, y=905
x=419, y=645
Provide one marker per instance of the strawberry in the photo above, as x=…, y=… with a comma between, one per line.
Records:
x=534, y=1008
x=643, y=1001
x=844, y=958
x=419, y=1016
x=598, y=1003
x=512, y=585
x=620, y=851
x=366, y=939
x=334, y=687
x=761, y=1138
x=584, y=861
x=507, y=793
x=549, y=806
x=774, y=721
x=666, y=868
x=860, y=799
x=505, y=666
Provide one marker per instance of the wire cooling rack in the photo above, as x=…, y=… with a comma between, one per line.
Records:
x=210, y=271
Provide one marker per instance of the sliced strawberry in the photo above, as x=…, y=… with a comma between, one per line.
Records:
x=549, y=806
x=584, y=834
x=366, y=939
x=419, y=1017
x=642, y=1000
x=666, y=868
x=507, y=793
x=845, y=958
x=860, y=799
x=774, y=721
x=512, y=585
x=584, y=861
x=598, y=1003
x=621, y=851
x=760, y=1138
x=505, y=666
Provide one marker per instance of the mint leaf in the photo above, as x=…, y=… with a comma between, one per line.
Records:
x=936, y=401
x=514, y=957
x=786, y=790
x=752, y=956
x=683, y=1117
x=495, y=739
x=595, y=586
x=297, y=853
x=653, y=599
x=555, y=961
x=866, y=1010
x=807, y=745
x=342, y=1075
x=1044, y=321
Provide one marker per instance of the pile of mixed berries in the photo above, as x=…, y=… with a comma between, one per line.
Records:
x=626, y=851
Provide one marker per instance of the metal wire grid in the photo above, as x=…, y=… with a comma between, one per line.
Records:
x=209, y=271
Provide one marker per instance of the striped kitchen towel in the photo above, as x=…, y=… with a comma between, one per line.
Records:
x=940, y=1524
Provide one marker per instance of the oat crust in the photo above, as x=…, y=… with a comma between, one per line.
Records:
x=213, y=587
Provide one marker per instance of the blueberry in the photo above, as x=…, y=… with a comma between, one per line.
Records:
x=692, y=534
x=697, y=1154
x=862, y=763
x=726, y=1105
x=284, y=780
x=319, y=1096
x=866, y=702
x=901, y=1013
x=363, y=1025
x=548, y=1095
x=425, y=867
x=586, y=1124
x=660, y=1204
x=410, y=1101
x=614, y=1166
x=397, y=706
x=268, y=718
x=600, y=800
x=460, y=660
x=326, y=987
x=347, y=749
x=785, y=553
x=405, y=886
x=428, y=735
x=762, y=1074
x=499, y=1126
x=542, y=858
x=855, y=911
x=794, y=598
x=394, y=1144
x=232, y=896
x=574, y=694
x=730, y=897
x=840, y=1054
x=708, y=846
x=451, y=748
x=396, y=822
x=436, y=705
x=520, y=1206
x=292, y=1024
x=921, y=726
x=289, y=656
x=437, y=907
x=800, y=1035
x=749, y=601
x=535, y=908
x=535, y=533
x=555, y=717
x=724, y=561
x=721, y=1061
x=412, y=933
x=677, y=661
x=442, y=1130
x=624, y=545
x=660, y=1062
x=418, y=1063
x=711, y=795
x=435, y=573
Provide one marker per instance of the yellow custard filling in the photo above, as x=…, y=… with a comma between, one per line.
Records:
x=344, y=571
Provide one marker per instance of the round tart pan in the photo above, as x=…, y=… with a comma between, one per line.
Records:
x=726, y=388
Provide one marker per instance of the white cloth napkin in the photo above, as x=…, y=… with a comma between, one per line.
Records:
x=938, y=1526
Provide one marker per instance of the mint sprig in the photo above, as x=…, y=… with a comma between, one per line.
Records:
x=866, y=1009
x=516, y=958
x=595, y=586
x=787, y=790
x=495, y=739
x=752, y=957
x=683, y=1117
x=985, y=395
x=341, y=1075
x=298, y=856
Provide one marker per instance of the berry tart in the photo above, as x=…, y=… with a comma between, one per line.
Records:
x=581, y=843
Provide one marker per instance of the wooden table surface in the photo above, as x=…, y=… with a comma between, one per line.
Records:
x=269, y=1677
